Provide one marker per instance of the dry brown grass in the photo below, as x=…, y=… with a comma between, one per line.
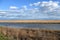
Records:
x=31, y=21
x=18, y=33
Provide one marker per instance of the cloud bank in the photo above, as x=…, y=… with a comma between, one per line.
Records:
x=39, y=10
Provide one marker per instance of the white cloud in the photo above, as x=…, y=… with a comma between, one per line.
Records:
x=13, y=7
x=47, y=8
x=38, y=10
x=24, y=7
x=35, y=4
x=2, y=12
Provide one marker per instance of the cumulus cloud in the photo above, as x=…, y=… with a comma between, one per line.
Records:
x=35, y=4
x=13, y=7
x=2, y=12
x=47, y=5
x=24, y=7
x=38, y=10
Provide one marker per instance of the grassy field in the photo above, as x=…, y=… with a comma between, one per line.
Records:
x=27, y=34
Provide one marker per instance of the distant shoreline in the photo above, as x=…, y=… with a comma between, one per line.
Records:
x=31, y=21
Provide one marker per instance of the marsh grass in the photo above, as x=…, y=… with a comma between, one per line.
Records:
x=2, y=37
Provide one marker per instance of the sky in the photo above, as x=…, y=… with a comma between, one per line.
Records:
x=5, y=4
x=29, y=9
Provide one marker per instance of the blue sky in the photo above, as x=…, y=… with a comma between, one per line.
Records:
x=29, y=9
x=5, y=4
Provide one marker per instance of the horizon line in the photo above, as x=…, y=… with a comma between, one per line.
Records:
x=31, y=21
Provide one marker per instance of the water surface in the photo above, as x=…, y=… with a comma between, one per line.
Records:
x=36, y=25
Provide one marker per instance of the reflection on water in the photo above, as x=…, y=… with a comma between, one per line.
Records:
x=26, y=25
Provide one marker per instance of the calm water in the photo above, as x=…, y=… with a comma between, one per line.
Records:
x=42, y=26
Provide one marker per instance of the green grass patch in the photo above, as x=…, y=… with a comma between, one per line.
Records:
x=2, y=37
